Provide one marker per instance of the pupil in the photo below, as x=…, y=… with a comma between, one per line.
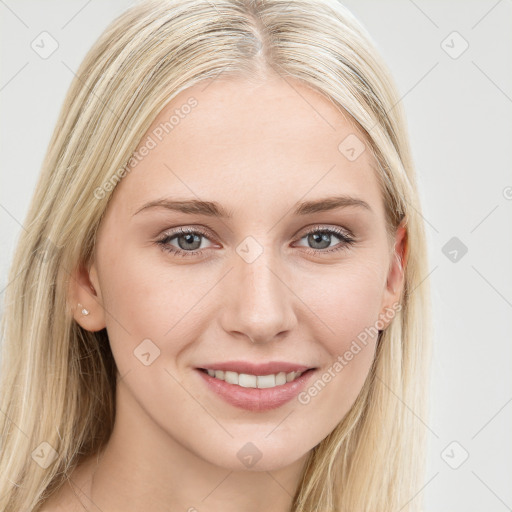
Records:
x=318, y=238
x=190, y=238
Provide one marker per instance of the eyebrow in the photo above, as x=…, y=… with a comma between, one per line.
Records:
x=214, y=209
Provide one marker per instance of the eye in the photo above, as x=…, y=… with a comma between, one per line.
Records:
x=321, y=238
x=189, y=242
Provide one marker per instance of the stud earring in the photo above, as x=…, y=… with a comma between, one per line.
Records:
x=85, y=311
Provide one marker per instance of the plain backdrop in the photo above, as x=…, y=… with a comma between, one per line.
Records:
x=452, y=64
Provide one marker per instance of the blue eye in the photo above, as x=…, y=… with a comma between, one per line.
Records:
x=320, y=236
x=190, y=238
x=189, y=241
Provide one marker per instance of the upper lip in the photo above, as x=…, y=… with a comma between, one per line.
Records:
x=247, y=367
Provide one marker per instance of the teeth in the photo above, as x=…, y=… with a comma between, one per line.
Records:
x=267, y=381
x=254, y=381
x=247, y=381
x=280, y=379
x=231, y=377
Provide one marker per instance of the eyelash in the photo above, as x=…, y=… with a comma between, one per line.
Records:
x=347, y=241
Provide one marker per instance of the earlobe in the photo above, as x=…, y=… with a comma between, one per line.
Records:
x=83, y=310
x=85, y=298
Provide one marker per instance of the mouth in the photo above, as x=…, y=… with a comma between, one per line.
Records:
x=250, y=380
x=260, y=390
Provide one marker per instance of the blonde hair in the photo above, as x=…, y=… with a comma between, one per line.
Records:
x=58, y=380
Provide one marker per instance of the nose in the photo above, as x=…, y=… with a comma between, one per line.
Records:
x=258, y=301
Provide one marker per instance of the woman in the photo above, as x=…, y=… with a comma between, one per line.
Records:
x=218, y=302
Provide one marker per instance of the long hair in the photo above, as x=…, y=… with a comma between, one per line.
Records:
x=58, y=380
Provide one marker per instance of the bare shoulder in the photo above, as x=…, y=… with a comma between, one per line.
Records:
x=70, y=496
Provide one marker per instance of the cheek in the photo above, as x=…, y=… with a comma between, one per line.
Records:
x=349, y=305
x=347, y=301
x=144, y=300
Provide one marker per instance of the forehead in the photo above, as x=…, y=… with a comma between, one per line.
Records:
x=233, y=139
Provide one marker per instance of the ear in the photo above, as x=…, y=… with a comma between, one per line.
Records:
x=85, y=297
x=396, y=273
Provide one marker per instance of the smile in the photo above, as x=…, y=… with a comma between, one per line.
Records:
x=247, y=380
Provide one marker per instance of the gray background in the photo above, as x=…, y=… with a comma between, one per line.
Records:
x=459, y=114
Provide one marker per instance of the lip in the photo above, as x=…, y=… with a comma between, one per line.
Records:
x=268, y=368
x=255, y=399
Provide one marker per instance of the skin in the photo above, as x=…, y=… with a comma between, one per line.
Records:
x=256, y=148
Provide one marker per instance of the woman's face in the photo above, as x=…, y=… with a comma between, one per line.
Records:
x=282, y=277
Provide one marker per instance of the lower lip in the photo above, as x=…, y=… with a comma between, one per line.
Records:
x=255, y=399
